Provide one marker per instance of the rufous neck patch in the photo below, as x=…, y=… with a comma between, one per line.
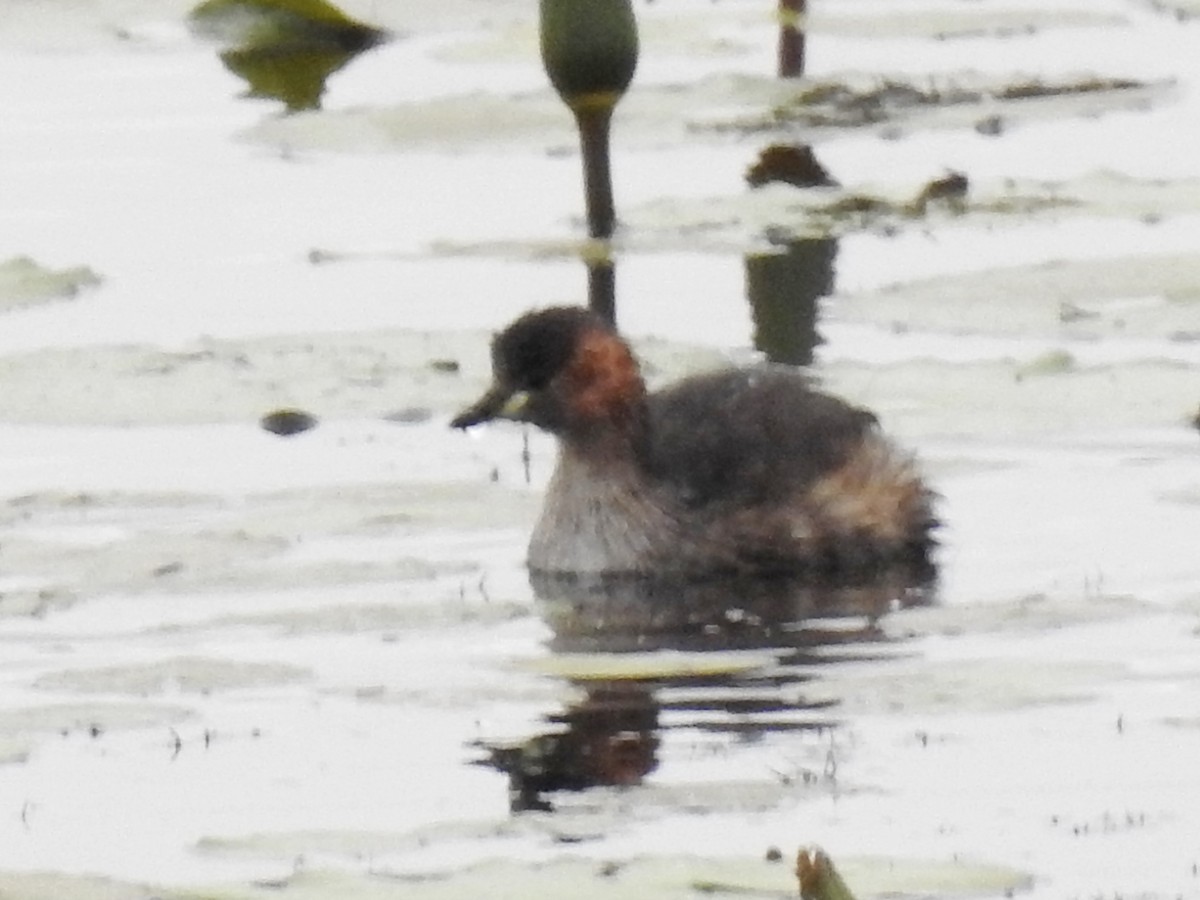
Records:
x=602, y=381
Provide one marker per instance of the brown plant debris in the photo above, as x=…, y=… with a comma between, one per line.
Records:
x=844, y=105
x=794, y=164
x=819, y=880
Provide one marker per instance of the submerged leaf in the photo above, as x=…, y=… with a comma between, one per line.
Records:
x=23, y=281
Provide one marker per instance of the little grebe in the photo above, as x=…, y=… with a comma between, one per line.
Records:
x=747, y=471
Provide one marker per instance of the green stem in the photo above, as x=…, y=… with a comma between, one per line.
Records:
x=593, y=121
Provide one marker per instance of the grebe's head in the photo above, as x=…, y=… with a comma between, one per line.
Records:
x=566, y=371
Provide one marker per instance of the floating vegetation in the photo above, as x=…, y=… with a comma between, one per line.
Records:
x=794, y=164
x=284, y=49
x=837, y=104
x=947, y=193
x=949, y=190
x=23, y=282
x=1181, y=10
x=661, y=877
x=279, y=24
x=1033, y=89
x=183, y=674
x=649, y=666
x=844, y=105
x=819, y=880
x=1052, y=362
x=409, y=415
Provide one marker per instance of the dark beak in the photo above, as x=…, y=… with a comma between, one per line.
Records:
x=498, y=403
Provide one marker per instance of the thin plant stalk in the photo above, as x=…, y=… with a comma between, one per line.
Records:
x=590, y=52
x=594, y=121
x=792, y=28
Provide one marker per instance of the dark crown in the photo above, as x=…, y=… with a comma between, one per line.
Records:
x=539, y=345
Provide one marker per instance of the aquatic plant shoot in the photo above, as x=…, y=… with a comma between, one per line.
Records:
x=590, y=51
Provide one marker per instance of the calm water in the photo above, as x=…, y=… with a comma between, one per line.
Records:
x=245, y=650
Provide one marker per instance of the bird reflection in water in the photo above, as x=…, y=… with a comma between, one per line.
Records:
x=611, y=735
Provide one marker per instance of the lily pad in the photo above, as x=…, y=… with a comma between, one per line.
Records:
x=664, y=878
x=24, y=282
x=50, y=886
x=646, y=666
x=190, y=674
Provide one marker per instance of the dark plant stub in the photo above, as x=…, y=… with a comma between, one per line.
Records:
x=287, y=422
x=794, y=164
